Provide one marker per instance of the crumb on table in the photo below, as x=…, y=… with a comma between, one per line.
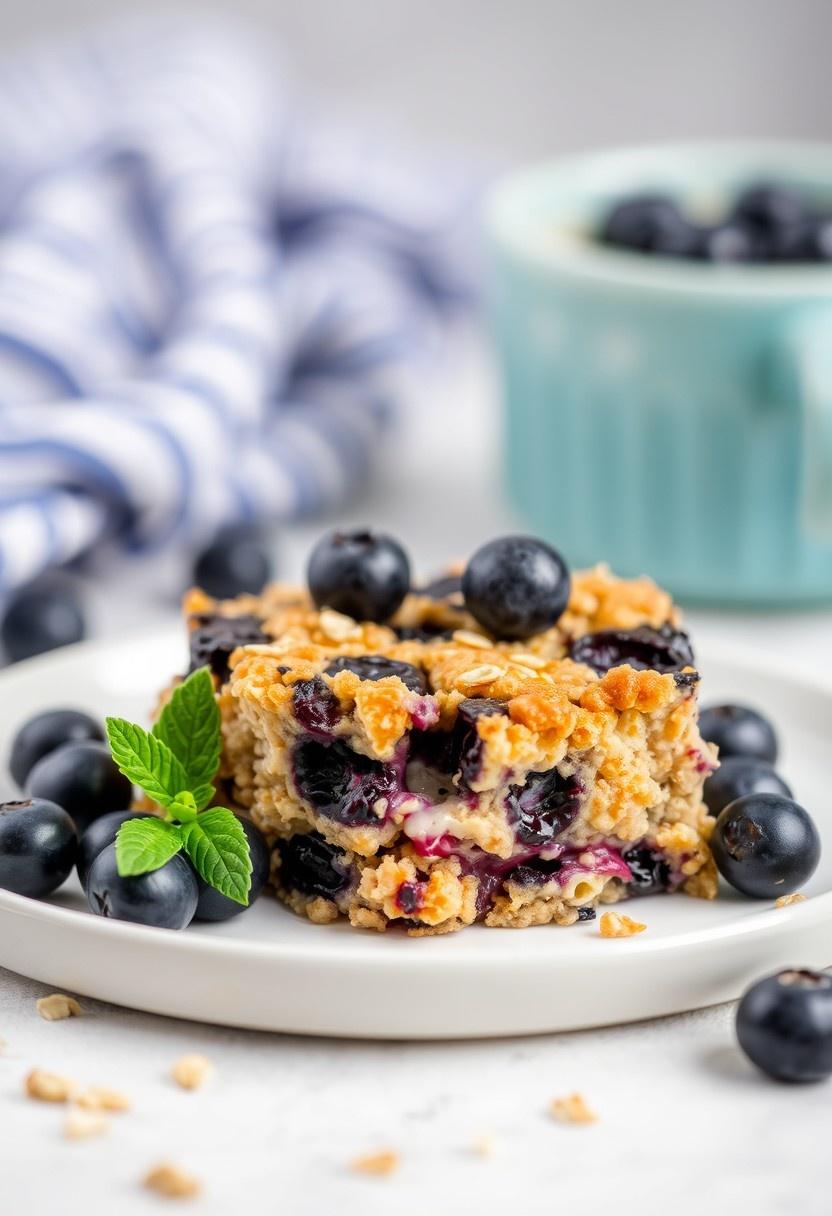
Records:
x=82, y=1124
x=101, y=1097
x=172, y=1181
x=192, y=1071
x=572, y=1109
x=616, y=924
x=379, y=1164
x=47, y=1086
x=57, y=1007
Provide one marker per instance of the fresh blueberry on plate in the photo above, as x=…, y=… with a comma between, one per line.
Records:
x=765, y=845
x=38, y=618
x=45, y=733
x=363, y=574
x=99, y=834
x=165, y=898
x=212, y=904
x=236, y=562
x=648, y=223
x=784, y=1025
x=83, y=779
x=738, y=730
x=738, y=776
x=516, y=586
x=38, y=846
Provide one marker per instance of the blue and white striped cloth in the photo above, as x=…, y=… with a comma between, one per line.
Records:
x=203, y=299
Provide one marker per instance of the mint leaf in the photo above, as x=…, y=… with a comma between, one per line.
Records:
x=143, y=845
x=190, y=726
x=183, y=808
x=217, y=846
x=146, y=761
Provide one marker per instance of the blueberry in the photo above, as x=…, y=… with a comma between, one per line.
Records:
x=38, y=846
x=47, y=732
x=649, y=871
x=421, y=633
x=363, y=574
x=442, y=587
x=83, y=779
x=99, y=834
x=543, y=807
x=516, y=586
x=316, y=707
x=313, y=866
x=213, y=905
x=810, y=241
x=235, y=563
x=165, y=898
x=739, y=731
x=648, y=223
x=768, y=208
x=215, y=637
x=465, y=744
x=765, y=845
x=729, y=242
x=645, y=648
x=341, y=783
x=784, y=1025
x=38, y=618
x=377, y=667
x=738, y=776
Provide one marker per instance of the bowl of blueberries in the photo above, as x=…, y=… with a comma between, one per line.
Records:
x=662, y=317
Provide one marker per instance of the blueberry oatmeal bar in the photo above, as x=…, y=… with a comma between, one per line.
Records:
x=411, y=766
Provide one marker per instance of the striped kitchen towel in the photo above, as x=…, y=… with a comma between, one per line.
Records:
x=205, y=300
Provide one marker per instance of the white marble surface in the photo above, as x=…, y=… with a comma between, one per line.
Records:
x=684, y=1124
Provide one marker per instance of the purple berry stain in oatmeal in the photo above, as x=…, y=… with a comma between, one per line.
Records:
x=346, y=786
x=316, y=707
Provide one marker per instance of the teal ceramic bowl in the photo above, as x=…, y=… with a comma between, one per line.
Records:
x=668, y=417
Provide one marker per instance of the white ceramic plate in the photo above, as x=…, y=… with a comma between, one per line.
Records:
x=270, y=970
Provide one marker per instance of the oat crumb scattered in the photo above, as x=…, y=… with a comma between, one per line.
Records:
x=572, y=1109
x=379, y=1164
x=785, y=900
x=58, y=1006
x=81, y=1124
x=192, y=1071
x=616, y=924
x=484, y=1146
x=48, y=1086
x=172, y=1182
x=101, y=1097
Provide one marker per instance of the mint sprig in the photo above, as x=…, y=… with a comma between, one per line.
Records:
x=176, y=765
